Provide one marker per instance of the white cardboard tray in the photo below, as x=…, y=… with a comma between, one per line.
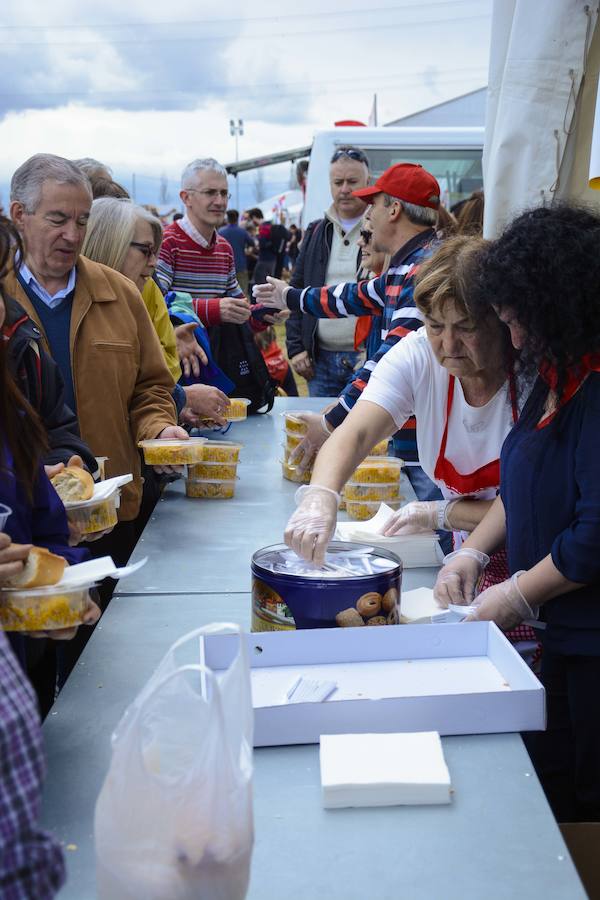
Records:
x=450, y=678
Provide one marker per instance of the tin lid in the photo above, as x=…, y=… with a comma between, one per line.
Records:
x=343, y=561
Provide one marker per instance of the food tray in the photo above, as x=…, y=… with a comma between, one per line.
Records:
x=90, y=517
x=237, y=409
x=377, y=469
x=209, y=489
x=43, y=609
x=361, y=510
x=210, y=470
x=373, y=491
x=173, y=453
x=453, y=679
x=221, y=451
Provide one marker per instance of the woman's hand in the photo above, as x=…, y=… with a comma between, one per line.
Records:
x=311, y=527
x=12, y=557
x=503, y=604
x=316, y=435
x=190, y=353
x=418, y=516
x=457, y=579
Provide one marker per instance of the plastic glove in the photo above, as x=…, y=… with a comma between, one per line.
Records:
x=272, y=293
x=457, y=579
x=426, y=515
x=311, y=527
x=316, y=435
x=503, y=604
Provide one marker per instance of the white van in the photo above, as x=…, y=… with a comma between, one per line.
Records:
x=453, y=155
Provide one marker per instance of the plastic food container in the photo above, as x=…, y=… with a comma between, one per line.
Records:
x=376, y=469
x=292, y=473
x=294, y=425
x=324, y=599
x=380, y=492
x=211, y=470
x=361, y=510
x=292, y=440
x=209, y=489
x=237, y=409
x=173, y=453
x=91, y=516
x=43, y=609
x=221, y=451
x=101, y=461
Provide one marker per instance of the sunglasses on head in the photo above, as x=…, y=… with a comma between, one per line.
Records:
x=366, y=236
x=350, y=153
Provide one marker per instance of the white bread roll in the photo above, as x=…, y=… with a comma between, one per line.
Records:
x=73, y=484
x=41, y=568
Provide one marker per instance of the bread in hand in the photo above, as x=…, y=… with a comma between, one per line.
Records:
x=41, y=568
x=73, y=484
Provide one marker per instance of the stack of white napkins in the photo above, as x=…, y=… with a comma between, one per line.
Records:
x=383, y=770
x=95, y=570
x=422, y=549
x=419, y=606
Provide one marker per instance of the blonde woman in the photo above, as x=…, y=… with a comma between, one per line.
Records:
x=127, y=237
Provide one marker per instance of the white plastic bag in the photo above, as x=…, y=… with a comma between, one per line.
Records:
x=174, y=815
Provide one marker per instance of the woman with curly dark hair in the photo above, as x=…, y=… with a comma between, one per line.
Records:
x=542, y=276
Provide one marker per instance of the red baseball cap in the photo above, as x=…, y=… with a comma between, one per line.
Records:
x=406, y=181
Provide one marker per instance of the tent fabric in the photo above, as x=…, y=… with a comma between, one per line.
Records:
x=537, y=60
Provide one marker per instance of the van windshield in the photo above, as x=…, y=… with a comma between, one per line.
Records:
x=458, y=171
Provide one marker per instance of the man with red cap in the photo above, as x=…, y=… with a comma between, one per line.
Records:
x=403, y=213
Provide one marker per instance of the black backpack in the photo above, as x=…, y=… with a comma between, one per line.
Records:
x=235, y=352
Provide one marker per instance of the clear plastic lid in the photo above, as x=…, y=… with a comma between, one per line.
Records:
x=345, y=561
x=50, y=590
x=169, y=442
x=212, y=480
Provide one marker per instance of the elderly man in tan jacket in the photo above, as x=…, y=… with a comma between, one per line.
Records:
x=95, y=325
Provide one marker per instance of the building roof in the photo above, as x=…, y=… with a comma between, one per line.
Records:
x=467, y=109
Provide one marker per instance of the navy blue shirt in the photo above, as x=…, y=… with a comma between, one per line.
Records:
x=550, y=487
x=238, y=238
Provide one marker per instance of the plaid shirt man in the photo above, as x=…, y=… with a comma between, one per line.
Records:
x=391, y=298
x=31, y=861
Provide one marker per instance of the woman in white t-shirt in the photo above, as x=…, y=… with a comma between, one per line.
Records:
x=455, y=375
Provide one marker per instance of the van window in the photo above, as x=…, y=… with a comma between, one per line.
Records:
x=458, y=171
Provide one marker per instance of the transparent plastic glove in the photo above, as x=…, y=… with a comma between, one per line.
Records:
x=420, y=515
x=311, y=527
x=457, y=579
x=316, y=435
x=272, y=293
x=503, y=604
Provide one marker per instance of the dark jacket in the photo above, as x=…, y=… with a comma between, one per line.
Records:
x=550, y=487
x=39, y=379
x=310, y=271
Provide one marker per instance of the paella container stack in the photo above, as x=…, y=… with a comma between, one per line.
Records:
x=215, y=477
x=376, y=480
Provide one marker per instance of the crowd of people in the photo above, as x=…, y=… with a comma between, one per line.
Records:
x=480, y=359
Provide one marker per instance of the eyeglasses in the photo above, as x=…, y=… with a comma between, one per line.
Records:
x=147, y=249
x=211, y=193
x=366, y=236
x=350, y=153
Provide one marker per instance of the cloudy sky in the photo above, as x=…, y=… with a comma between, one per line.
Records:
x=147, y=90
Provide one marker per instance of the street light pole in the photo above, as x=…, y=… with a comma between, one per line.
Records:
x=236, y=130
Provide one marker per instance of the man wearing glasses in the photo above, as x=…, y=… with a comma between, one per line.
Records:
x=322, y=350
x=194, y=257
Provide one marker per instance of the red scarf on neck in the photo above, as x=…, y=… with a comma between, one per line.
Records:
x=576, y=375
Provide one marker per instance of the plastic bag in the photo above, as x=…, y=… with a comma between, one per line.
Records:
x=174, y=816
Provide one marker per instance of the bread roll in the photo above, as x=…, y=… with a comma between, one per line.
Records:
x=73, y=484
x=41, y=568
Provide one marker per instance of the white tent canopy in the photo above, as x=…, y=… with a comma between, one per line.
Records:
x=537, y=62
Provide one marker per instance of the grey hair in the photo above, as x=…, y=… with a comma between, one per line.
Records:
x=110, y=229
x=200, y=165
x=93, y=168
x=416, y=215
x=27, y=182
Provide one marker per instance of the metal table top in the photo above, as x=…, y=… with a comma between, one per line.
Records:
x=497, y=839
